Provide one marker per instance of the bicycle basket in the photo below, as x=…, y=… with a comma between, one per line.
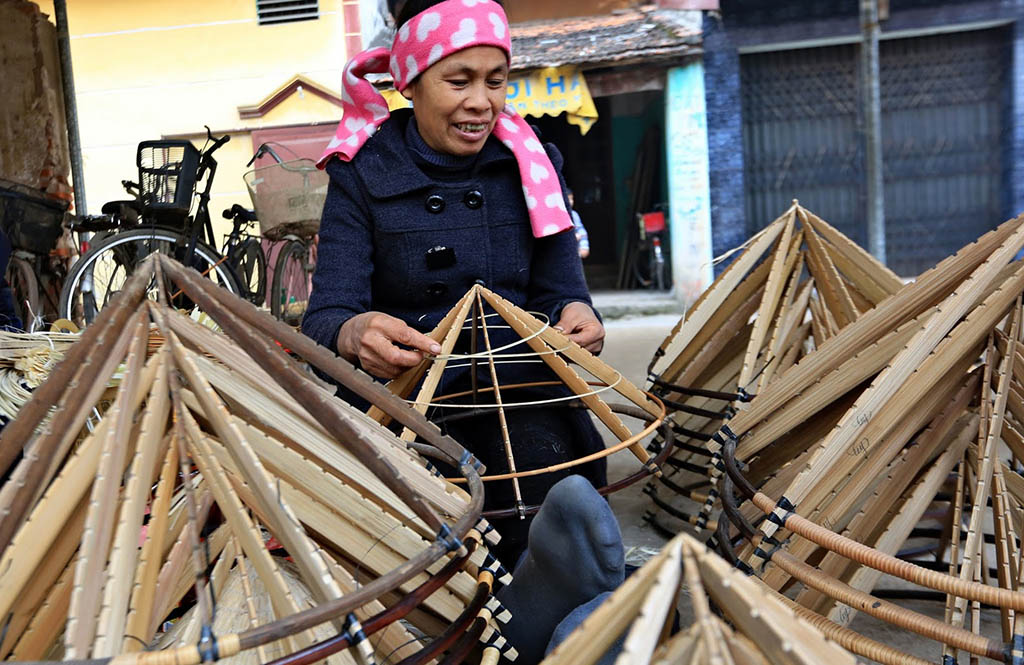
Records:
x=288, y=197
x=167, y=174
x=32, y=222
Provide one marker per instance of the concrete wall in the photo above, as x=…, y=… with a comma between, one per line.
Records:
x=146, y=69
x=33, y=137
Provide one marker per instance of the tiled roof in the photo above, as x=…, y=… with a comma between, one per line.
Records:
x=629, y=35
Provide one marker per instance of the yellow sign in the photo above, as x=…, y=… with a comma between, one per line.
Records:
x=548, y=91
x=551, y=91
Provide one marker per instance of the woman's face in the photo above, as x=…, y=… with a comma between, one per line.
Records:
x=458, y=99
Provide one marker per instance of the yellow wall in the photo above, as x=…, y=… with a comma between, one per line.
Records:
x=146, y=69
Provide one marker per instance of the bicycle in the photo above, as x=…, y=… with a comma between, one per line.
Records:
x=245, y=254
x=157, y=220
x=288, y=197
x=38, y=261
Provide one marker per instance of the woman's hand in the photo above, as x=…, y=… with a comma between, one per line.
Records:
x=372, y=338
x=582, y=326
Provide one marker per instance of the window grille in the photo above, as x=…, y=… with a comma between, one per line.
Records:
x=285, y=11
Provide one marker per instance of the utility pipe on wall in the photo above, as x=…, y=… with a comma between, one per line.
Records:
x=872, y=101
x=60, y=12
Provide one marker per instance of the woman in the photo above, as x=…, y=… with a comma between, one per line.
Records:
x=425, y=203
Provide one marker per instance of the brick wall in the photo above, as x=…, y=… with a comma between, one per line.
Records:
x=33, y=134
x=725, y=137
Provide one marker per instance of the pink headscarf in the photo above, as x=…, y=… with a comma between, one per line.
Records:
x=446, y=28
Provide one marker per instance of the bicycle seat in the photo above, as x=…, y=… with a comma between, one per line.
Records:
x=115, y=207
x=92, y=223
x=238, y=211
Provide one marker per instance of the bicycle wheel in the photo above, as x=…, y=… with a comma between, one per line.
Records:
x=100, y=273
x=250, y=265
x=24, y=290
x=293, y=276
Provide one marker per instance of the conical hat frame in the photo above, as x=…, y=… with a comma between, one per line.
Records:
x=170, y=412
x=557, y=351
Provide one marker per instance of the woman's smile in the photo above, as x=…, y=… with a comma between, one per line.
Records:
x=473, y=132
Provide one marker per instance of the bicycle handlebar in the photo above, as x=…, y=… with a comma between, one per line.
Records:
x=262, y=150
x=239, y=211
x=206, y=160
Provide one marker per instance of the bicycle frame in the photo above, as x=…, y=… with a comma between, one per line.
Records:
x=201, y=221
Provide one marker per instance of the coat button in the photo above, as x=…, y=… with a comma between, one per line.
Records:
x=435, y=203
x=437, y=290
x=473, y=199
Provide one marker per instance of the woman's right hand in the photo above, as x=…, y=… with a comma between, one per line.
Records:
x=372, y=339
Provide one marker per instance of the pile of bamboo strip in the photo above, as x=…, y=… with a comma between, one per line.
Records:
x=228, y=504
x=754, y=625
x=588, y=379
x=910, y=412
x=25, y=361
x=794, y=286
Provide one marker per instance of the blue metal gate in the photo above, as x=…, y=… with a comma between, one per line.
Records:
x=943, y=129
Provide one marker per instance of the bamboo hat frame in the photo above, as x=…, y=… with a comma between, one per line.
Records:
x=211, y=445
x=477, y=314
x=841, y=448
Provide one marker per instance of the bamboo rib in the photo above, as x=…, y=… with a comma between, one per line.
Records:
x=854, y=423
x=890, y=314
x=35, y=470
x=516, y=318
x=281, y=518
x=120, y=569
x=779, y=633
x=654, y=615
x=51, y=513
x=55, y=569
x=711, y=299
x=727, y=317
x=46, y=624
x=316, y=445
x=870, y=270
x=372, y=556
x=434, y=373
x=899, y=475
x=16, y=436
x=830, y=282
x=140, y=610
x=830, y=502
x=177, y=561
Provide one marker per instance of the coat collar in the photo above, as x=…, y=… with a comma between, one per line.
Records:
x=387, y=168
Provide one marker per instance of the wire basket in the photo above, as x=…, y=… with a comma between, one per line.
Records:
x=167, y=174
x=31, y=221
x=288, y=197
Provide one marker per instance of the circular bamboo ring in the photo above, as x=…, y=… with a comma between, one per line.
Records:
x=644, y=433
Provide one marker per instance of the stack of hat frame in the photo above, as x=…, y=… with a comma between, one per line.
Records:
x=847, y=441
x=211, y=445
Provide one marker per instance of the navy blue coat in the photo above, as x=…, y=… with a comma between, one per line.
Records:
x=382, y=216
x=385, y=211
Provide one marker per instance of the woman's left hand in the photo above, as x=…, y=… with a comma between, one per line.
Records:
x=582, y=326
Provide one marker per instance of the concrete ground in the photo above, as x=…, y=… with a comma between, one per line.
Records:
x=629, y=346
